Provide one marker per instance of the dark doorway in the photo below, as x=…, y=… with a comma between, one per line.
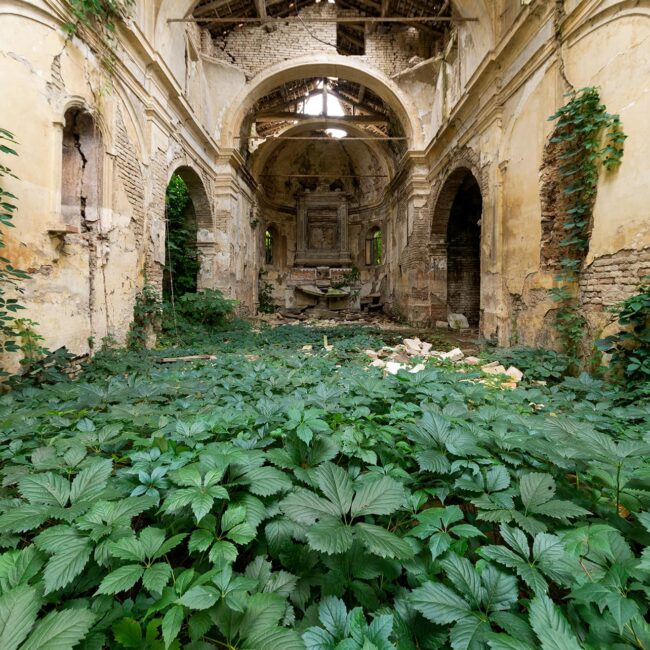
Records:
x=464, y=251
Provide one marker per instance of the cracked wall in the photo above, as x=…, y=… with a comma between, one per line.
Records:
x=482, y=103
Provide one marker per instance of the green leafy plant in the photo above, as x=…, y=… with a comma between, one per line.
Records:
x=103, y=17
x=265, y=498
x=182, y=260
x=146, y=317
x=582, y=124
x=630, y=346
x=10, y=276
x=205, y=307
x=265, y=301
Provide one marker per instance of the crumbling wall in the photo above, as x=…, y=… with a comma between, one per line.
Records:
x=255, y=48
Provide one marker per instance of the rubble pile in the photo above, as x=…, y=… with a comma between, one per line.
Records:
x=413, y=354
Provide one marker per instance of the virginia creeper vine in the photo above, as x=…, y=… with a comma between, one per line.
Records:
x=590, y=138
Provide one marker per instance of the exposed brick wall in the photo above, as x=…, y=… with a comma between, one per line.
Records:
x=612, y=278
x=130, y=174
x=255, y=48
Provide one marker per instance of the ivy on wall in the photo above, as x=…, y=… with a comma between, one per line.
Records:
x=10, y=329
x=590, y=138
x=102, y=16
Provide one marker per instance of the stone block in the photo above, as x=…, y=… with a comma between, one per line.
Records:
x=454, y=355
x=458, y=321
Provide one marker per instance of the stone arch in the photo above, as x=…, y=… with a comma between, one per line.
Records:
x=198, y=195
x=199, y=216
x=322, y=66
x=456, y=240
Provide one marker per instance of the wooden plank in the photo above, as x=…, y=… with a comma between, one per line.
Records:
x=264, y=118
x=193, y=357
x=408, y=20
x=260, y=7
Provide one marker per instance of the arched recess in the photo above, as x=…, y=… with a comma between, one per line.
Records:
x=274, y=249
x=188, y=215
x=322, y=66
x=81, y=168
x=456, y=243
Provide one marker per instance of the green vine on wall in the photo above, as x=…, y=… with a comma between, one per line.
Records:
x=102, y=16
x=589, y=138
x=9, y=275
x=147, y=312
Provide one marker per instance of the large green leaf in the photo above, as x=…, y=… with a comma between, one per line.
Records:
x=465, y=578
x=336, y=486
x=275, y=639
x=91, y=481
x=121, y=579
x=70, y=554
x=330, y=535
x=171, y=624
x=550, y=625
x=60, y=630
x=305, y=507
x=262, y=615
x=25, y=517
x=316, y=638
x=439, y=604
x=156, y=576
x=18, y=567
x=64, y=566
x=265, y=481
x=199, y=597
x=18, y=610
x=469, y=634
x=333, y=615
x=48, y=489
x=536, y=489
x=500, y=589
x=382, y=542
x=381, y=496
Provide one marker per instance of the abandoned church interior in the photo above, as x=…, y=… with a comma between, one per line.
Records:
x=403, y=146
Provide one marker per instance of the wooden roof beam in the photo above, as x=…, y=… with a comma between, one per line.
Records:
x=265, y=118
x=260, y=7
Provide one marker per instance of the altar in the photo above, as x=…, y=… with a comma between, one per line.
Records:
x=322, y=230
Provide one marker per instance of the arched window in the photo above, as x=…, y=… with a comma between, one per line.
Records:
x=81, y=180
x=268, y=247
x=374, y=247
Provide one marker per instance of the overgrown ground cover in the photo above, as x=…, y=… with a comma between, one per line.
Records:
x=278, y=499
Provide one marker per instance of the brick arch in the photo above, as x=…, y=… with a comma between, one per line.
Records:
x=199, y=196
x=449, y=182
x=463, y=167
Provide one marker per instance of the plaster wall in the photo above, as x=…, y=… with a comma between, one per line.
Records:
x=85, y=275
x=177, y=99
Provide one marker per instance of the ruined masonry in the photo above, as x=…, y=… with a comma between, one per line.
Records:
x=392, y=154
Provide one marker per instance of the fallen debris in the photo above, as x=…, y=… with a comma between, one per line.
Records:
x=193, y=357
x=453, y=355
x=515, y=373
x=458, y=322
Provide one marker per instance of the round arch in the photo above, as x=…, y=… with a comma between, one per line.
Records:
x=322, y=66
x=198, y=195
x=456, y=241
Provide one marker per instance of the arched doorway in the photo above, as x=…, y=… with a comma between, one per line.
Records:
x=456, y=244
x=187, y=209
x=464, y=251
